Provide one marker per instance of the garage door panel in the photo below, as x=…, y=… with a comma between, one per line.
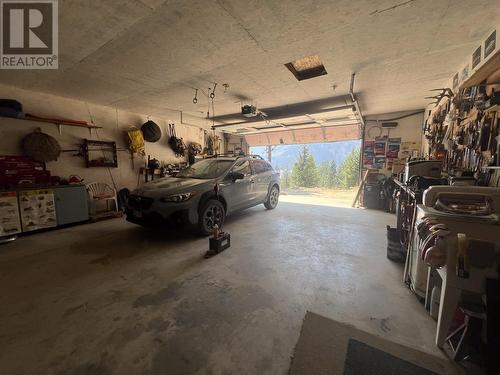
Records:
x=301, y=136
x=309, y=135
x=343, y=133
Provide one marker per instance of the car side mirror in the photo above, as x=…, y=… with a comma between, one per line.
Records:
x=237, y=176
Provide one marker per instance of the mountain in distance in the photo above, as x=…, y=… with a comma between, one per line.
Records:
x=284, y=156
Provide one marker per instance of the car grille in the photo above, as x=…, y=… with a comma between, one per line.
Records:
x=138, y=202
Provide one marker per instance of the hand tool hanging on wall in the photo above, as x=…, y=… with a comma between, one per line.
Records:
x=467, y=126
x=194, y=149
x=493, y=142
x=175, y=143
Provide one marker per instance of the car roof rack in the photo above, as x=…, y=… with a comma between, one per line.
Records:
x=237, y=156
x=219, y=155
x=255, y=157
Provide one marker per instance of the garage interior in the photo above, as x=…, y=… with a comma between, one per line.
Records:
x=302, y=289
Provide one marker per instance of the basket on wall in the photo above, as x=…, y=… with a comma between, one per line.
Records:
x=41, y=147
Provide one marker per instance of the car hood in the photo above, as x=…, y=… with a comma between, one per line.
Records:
x=172, y=185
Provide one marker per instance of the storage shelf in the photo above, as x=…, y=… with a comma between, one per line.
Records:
x=58, y=122
x=483, y=72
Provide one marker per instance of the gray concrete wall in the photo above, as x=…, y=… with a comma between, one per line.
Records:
x=409, y=129
x=114, y=122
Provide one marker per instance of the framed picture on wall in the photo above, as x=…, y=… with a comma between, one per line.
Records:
x=368, y=161
x=393, y=147
x=100, y=154
x=476, y=57
x=380, y=144
x=368, y=154
x=490, y=44
x=368, y=147
x=379, y=162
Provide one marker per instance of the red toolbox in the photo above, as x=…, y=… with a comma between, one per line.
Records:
x=16, y=170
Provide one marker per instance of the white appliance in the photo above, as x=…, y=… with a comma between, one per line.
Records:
x=463, y=181
x=491, y=194
x=448, y=205
x=426, y=168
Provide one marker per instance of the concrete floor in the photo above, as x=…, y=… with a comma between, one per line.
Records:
x=112, y=297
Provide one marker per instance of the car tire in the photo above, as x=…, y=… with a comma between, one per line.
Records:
x=272, y=198
x=211, y=212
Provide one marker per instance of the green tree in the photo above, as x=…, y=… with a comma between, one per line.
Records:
x=304, y=172
x=348, y=173
x=285, y=178
x=328, y=174
x=332, y=174
x=323, y=171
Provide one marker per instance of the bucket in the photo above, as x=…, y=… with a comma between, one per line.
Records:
x=395, y=251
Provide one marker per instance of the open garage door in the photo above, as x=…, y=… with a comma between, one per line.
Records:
x=326, y=171
x=314, y=122
x=307, y=135
x=338, y=124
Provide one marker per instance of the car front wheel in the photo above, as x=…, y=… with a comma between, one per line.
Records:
x=212, y=212
x=272, y=198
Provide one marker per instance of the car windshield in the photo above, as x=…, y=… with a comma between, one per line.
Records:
x=206, y=169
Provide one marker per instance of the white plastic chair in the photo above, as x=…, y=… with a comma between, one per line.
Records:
x=101, y=192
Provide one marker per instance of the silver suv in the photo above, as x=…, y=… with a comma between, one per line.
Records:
x=205, y=193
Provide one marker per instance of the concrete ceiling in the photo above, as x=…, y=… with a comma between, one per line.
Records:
x=147, y=56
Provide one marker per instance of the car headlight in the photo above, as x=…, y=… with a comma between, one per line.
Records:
x=177, y=198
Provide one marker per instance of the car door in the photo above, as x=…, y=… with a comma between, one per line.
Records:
x=262, y=178
x=238, y=193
